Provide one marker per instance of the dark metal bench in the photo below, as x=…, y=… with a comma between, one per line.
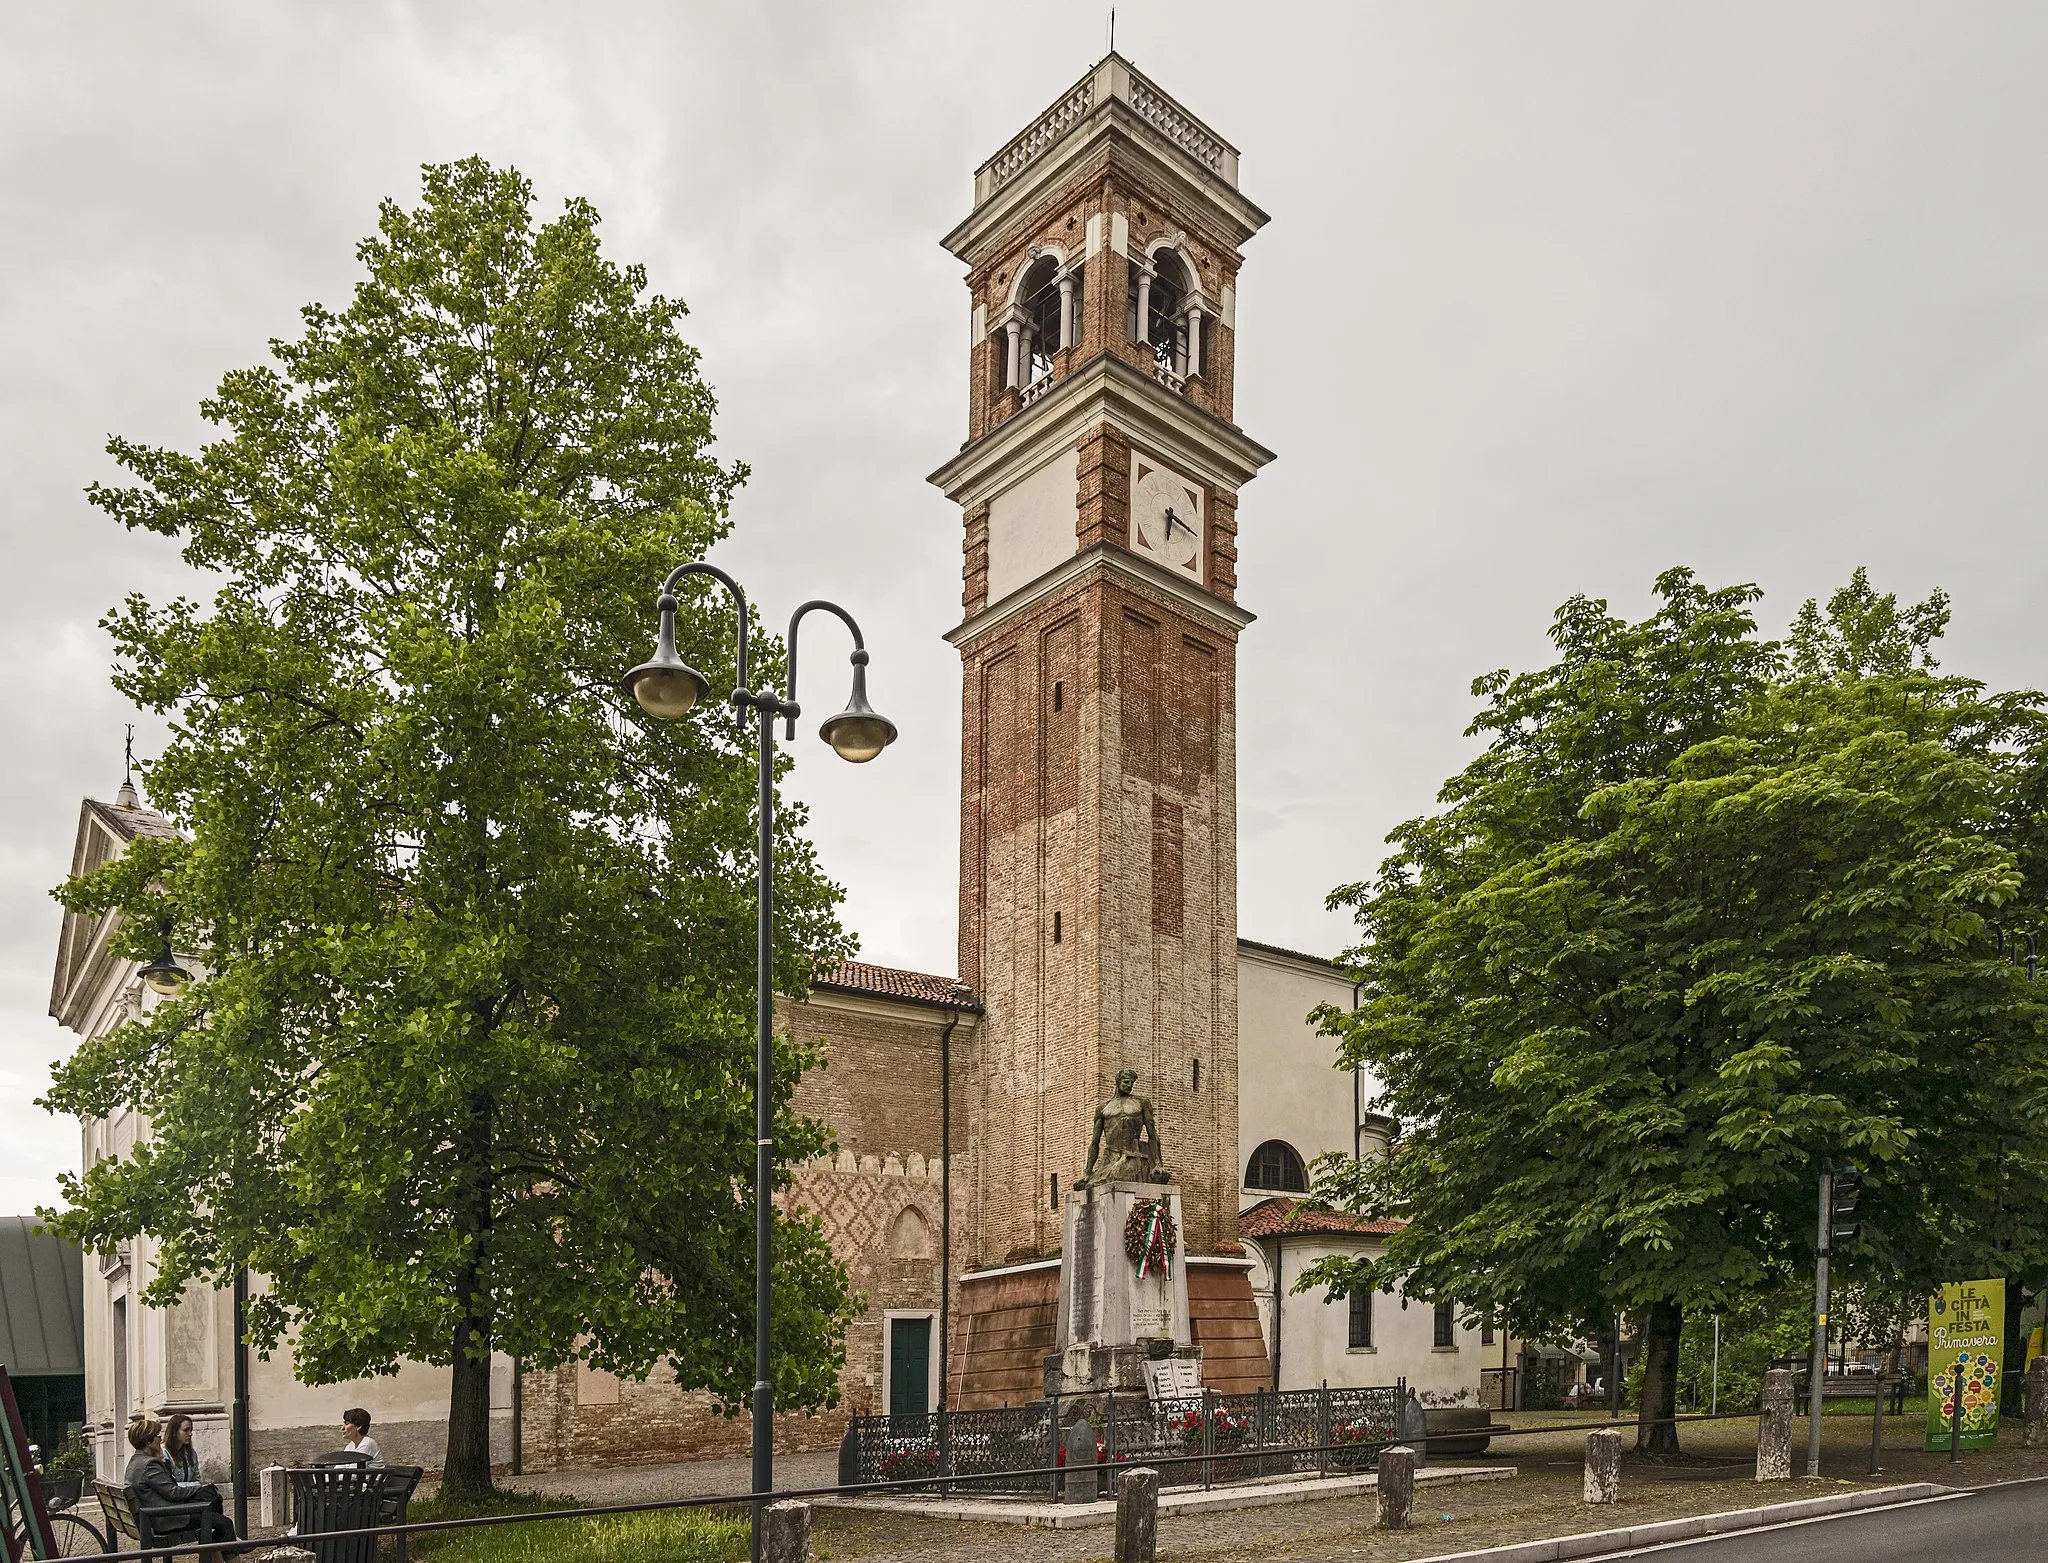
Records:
x=396, y=1498
x=148, y=1525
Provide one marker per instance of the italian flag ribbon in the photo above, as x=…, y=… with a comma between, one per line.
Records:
x=1155, y=1242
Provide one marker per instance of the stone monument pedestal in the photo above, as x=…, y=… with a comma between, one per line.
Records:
x=1112, y=1321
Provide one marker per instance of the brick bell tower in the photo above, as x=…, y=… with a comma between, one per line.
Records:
x=1098, y=823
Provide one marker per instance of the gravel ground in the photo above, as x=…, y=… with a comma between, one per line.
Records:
x=1715, y=1472
x=683, y=1479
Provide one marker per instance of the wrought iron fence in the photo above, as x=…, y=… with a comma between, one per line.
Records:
x=1240, y=1437
x=990, y=1444
x=1497, y=1388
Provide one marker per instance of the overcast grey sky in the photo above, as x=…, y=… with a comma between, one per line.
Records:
x=1554, y=296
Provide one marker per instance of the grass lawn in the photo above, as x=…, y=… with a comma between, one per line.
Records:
x=661, y=1536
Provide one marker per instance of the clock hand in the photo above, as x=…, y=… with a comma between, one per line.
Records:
x=1173, y=521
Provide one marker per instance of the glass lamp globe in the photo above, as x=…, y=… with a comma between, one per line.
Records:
x=858, y=736
x=860, y=732
x=666, y=689
x=165, y=976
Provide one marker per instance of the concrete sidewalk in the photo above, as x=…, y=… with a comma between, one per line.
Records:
x=1174, y=1501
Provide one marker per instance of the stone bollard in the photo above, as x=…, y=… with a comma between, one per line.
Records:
x=1396, y=1487
x=2036, y=1434
x=1603, y=1465
x=1080, y=1480
x=274, y=1507
x=786, y=1532
x=1137, y=1516
x=1774, y=1430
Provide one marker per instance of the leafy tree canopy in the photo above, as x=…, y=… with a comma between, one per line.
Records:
x=1707, y=910
x=471, y=1063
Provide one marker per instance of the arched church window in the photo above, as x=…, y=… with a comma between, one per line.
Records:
x=1162, y=297
x=911, y=1236
x=1277, y=1165
x=1039, y=299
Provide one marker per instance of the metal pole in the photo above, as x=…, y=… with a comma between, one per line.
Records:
x=764, y=1126
x=238, y=1442
x=1819, y=1367
x=1877, y=1425
x=1714, y=1405
x=518, y=1418
x=946, y=1207
x=1614, y=1374
x=1955, y=1418
x=1208, y=1439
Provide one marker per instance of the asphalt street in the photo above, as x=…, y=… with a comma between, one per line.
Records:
x=2002, y=1524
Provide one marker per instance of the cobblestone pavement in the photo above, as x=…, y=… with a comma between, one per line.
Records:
x=1715, y=1472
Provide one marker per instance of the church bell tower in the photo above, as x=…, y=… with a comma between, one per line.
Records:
x=1099, y=487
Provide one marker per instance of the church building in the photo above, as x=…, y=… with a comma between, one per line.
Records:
x=1099, y=494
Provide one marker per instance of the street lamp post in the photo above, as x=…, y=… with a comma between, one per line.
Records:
x=667, y=688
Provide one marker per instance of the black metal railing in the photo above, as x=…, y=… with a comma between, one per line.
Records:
x=1236, y=1437
x=992, y=1443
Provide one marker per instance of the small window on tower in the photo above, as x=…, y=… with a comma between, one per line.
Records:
x=1196, y=1076
x=1055, y=927
x=1055, y=1191
x=1059, y=694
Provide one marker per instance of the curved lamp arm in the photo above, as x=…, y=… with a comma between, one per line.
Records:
x=860, y=655
x=667, y=607
x=858, y=733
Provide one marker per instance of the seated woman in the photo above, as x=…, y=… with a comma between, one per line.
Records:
x=150, y=1478
x=355, y=1436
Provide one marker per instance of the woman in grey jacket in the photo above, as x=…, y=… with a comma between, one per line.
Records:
x=155, y=1485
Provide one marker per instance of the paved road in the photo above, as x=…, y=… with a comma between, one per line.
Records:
x=2005, y=1524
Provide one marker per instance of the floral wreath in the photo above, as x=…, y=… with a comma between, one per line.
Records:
x=1150, y=1234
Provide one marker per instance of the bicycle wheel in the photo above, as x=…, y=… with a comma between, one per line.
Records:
x=75, y=1538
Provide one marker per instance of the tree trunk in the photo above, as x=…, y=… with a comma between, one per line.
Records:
x=467, y=1469
x=1663, y=1327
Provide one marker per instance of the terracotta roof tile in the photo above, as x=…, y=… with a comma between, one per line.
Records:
x=1293, y=1217
x=889, y=982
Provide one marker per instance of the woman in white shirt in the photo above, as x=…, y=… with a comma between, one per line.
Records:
x=355, y=1435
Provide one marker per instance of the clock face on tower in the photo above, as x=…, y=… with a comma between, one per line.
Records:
x=1166, y=517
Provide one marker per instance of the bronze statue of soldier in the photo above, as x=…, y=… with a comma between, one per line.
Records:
x=1125, y=1145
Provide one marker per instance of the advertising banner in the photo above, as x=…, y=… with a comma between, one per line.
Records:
x=1965, y=1351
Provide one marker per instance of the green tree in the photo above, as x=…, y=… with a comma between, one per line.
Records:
x=1706, y=910
x=471, y=1063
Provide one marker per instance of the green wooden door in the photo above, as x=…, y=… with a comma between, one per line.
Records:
x=910, y=1367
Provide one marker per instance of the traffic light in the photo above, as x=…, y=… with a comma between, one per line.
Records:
x=1845, y=1207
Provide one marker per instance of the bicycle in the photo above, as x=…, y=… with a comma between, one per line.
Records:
x=74, y=1535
